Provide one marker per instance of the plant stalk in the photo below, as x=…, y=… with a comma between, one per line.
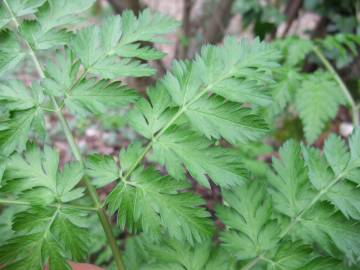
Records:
x=251, y=264
x=53, y=205
x=76, y=152
x=354, y=108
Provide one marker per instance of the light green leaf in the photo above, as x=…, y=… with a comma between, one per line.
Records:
x=74, y=237
x=59, y=13
x=243, y=91
x=14, y=132
x=143, y=254
x=36, y=169
x=336, y=153
x=134, y=50
x=216, y=118
x=130, y=155
x=10, y=52
x=49, y=235
x=250, y=229
x=112, y=68
x=149, y=116
x=150, y=200
x=61, y=74
x=67, y=180
x=317, y=102
x=15, y=96
x=92, y=96
x=149, y=26
x=19, y=8
x=290, y=188
x=331, y=231
x=284, y=90
x=99, y=47
x=103, y=169
x=294, y=50
x=324, y=263
x=244, y=60
x=290, y=256
x=2, y=169
x=332, y=171
x=179, y=146
x=41, y=40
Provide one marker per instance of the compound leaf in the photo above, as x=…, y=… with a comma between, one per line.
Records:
x=317, y=102
x=179, y=146
x=251, y=231
x=150, y=200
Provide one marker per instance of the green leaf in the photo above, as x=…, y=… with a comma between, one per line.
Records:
x=61, y=74
x=14, y=131
x=56, y=260
x=354, y=143
x=67, y=180
x=36, y=169
x=99, y=47
x=103, y=169
x=58, y=13
x=243, y=60
x=19, y=246
x=317, y=102
x=330, y=230
x=310, y=218
x=283, y=91
x=341, y=48
x=333, y=171
x=15, y=96
x=243, y=65
x=112, y=68
x=291, y=256
x=49, y=235
x=2, y=168
x=92, y=96
x=149, y=26
x=290, y=188
x=179, y=146
x=336, y=153
x=43, y=40
x=216, y=118
x=150, y=200
x=294, y=50
x=183, y=82
x=149, y=116
x=134, y=50
x=250, y=229
x=10, y=51
x=243, y=91
x=130, y=155
x=324, y=264
x=141, y=253
x=74, y=237
x=96, y=42
x=19, y=8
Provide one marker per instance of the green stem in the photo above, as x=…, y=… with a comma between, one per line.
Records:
x=251, y=264
x=343, y=87
x=53, y=205
x=76, y=152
